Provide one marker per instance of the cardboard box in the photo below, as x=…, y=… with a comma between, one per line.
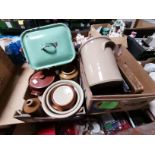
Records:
x=7, y=69
x=124, y=101
x=118, y=40
x=138, y=51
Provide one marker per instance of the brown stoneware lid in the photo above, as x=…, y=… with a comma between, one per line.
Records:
x=41, y=79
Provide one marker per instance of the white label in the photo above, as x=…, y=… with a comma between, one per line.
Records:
x=35, y=81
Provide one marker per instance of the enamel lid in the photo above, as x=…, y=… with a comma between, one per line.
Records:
x=48, y=46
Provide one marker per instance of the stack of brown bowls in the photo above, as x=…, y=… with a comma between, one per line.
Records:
x=62, y=99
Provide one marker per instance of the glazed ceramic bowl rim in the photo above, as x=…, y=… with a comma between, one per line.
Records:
x=54, y=115
x=62, y=112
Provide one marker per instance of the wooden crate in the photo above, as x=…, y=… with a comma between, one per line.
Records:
x=43, y=118
x=28, y=118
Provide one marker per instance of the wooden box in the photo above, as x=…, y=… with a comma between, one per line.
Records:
x=28, y=118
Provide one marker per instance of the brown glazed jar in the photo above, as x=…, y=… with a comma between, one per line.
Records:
x=59, y=97
x=32, y=106
x=40, y=80
x=69, y=72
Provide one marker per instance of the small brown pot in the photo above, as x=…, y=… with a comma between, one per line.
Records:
x=69, y=72
x=40, y=80
x=32, y=106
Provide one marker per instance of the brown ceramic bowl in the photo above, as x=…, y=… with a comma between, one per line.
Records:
x=63, y=97
x=46, y=100
x=69, y=72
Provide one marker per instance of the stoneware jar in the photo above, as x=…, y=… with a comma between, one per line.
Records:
x=40, y=80
x=32, y=106
x=69, y=72
x=99, y=62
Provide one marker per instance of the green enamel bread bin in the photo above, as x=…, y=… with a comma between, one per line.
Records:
x=48, y=46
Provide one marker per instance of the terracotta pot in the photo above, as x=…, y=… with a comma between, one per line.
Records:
x=69, y=72
x=40, y=80
x=32, y=106
x=99, y=62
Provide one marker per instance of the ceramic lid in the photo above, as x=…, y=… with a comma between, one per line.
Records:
x=48, y=46
x=41, y=79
